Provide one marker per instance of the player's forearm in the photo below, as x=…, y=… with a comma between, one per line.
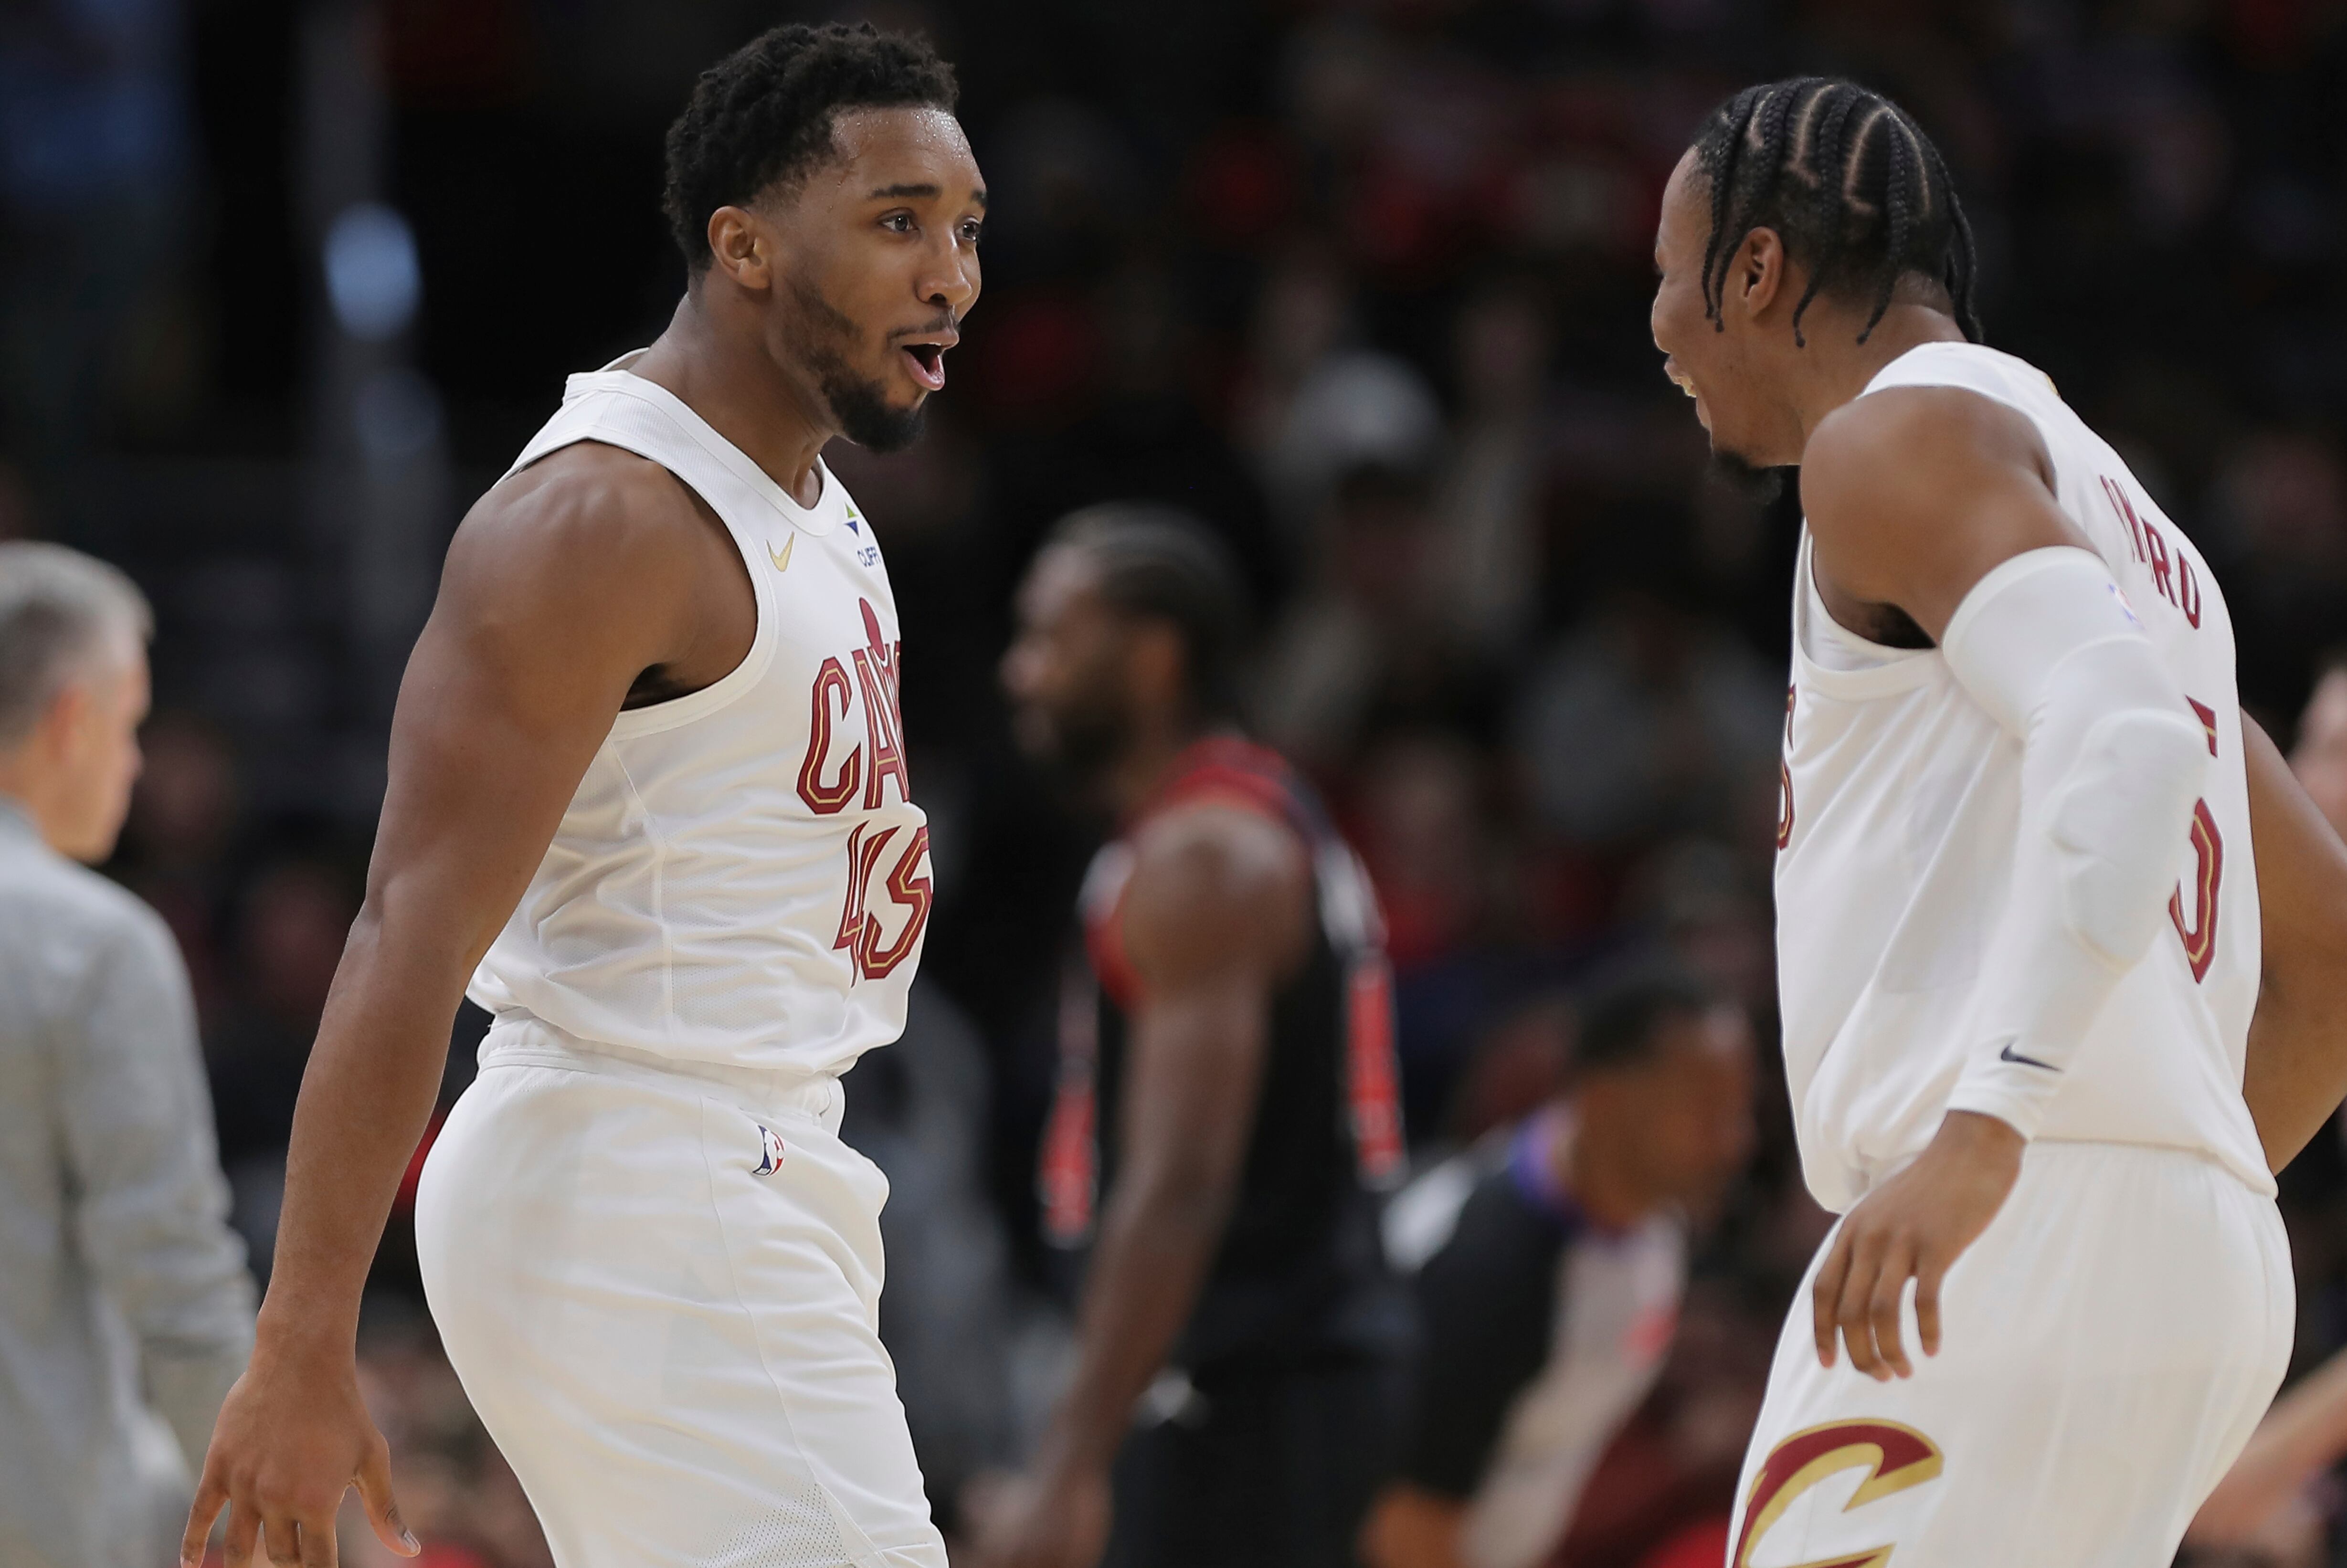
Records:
x=2112, y=761
x=372, y=1078
x=2296, y=1068
x=1156, y=1241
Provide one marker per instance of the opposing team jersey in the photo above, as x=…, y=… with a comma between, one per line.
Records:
x=1899, y=819
x=742, y=877
x=1299, y=1271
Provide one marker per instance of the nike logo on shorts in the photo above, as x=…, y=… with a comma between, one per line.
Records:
x=2009, y=1054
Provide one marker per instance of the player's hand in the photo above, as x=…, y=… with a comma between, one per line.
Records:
x=293, y=1437
x=1056, y=1518
x=1913, y=1226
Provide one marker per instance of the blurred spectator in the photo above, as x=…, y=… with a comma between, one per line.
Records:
x=296, y=914
x=1490, y=494
x=125, y=1294
x=1550, y=1262
x=1645, y=720
x=1366, y=642
x=175, y=846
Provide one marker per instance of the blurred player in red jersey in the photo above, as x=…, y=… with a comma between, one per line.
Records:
x=1227, y=1106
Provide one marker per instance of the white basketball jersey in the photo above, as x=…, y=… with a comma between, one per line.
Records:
x=1897, y=824
x=742, y=877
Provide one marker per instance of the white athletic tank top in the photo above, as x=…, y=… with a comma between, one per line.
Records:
x=742, y=877
x=1897, y=826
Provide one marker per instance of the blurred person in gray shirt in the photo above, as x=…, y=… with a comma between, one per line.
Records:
x=123, y=1294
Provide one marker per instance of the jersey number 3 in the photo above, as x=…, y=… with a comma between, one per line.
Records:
x=2200, y=933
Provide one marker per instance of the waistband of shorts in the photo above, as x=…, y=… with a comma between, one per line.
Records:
x=518, y=1038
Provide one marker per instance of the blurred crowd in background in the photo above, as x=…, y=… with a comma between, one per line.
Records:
x=285, y=283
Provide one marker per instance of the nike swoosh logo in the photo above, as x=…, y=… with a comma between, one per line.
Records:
x=2009, y=1054
x=782, y=559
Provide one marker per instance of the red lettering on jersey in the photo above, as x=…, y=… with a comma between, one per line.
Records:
x=1372, y=1081
x=2125, y=509
x=875, y=673
x=860, y=930
x=915, y=894
x=826, y=799
x=2189, y=590
x=2160, y=565
x=863, y=854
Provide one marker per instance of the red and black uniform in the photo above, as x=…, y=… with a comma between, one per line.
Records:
x=1266, y=1436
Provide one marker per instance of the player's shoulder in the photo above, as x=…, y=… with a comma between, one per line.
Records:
x=583, y=514
x=1913, y=439
x=1214, y=874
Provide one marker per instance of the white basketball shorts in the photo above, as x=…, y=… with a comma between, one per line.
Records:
x=2106, y=1348
x=660, y=1284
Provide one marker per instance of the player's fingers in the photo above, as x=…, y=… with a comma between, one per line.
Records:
x=243, y=1527
x=381, y=1508
x=280, y=1539
x=211, y=1496
x=1929, y=1273
x=1852, y=1312
x=1825, y=1295
x=317, y=1543
x=1882, y=1306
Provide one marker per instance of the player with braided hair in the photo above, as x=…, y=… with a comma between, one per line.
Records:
x=2028, y=849
x=650, y=805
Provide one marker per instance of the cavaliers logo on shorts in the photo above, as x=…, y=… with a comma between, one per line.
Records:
x=1894, y=1458
x=771, y=1146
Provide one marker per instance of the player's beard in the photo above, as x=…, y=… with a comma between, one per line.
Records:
x=859, y=405
x=1075, y=745
x=1757, y=484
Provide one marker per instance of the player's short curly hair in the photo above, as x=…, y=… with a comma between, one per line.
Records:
x=763, y=115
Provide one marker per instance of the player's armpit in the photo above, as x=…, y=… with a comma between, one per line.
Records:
x=1914, y=494
x=2297, y=1069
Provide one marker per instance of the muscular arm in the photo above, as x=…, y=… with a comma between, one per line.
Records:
x=2297, y=1070
x=1940, y=502
x=1216, y=913
x=561, y=588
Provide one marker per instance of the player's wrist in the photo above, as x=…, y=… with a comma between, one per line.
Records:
x=1980, y=1136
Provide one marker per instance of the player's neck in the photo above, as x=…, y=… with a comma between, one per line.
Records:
x=1147, y=763
x=722, y=372
x=1834, y=367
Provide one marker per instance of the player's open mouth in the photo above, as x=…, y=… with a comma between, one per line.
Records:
x=928, y=362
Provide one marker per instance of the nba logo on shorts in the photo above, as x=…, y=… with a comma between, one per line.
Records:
x=773, y=1150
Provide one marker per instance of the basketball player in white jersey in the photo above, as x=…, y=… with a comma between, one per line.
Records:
x=2020, y=925
x=648, y=793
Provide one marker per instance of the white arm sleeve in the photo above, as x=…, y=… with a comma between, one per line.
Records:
x=2112, y=760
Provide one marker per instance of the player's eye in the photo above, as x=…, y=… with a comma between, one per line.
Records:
x=898, y=222
x=971, y=231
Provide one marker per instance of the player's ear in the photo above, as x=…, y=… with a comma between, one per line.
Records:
x=1759, y=274
x=742, y=248
x=1154, y=663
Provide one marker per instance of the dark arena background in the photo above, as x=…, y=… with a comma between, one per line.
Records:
x=284, y=286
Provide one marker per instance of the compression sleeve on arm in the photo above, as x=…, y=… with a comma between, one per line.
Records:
x=2111, y=762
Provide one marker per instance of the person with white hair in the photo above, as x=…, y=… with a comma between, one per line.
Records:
x=123, y=1293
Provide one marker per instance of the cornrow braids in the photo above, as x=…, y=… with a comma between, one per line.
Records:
x=763, y=115
x=1851, y=184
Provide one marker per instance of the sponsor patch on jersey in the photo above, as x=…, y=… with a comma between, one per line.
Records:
x=771, y=1146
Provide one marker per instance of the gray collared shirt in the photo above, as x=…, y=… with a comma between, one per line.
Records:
x=120, y=1282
